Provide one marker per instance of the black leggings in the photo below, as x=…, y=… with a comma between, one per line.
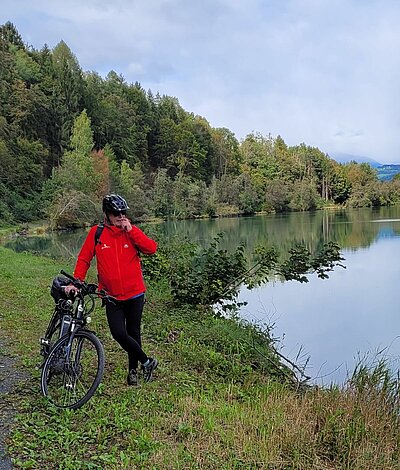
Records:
x=124, y=319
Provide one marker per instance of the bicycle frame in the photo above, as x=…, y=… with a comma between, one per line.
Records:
x=65, y=365
x=77, y=323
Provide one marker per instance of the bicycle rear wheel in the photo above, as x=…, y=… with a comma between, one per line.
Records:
x=70, y=376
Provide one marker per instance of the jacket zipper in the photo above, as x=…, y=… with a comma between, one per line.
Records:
x=117, y=250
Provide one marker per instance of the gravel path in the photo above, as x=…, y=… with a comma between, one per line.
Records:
x=10, y=378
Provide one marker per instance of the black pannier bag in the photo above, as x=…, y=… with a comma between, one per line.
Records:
x=57, y=291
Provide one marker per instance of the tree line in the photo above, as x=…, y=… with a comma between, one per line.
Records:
x=67, y=137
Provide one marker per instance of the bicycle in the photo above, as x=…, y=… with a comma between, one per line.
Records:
x=74, y=358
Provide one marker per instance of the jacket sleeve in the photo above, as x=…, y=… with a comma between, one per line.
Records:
x=85, y=255
x=142, y=242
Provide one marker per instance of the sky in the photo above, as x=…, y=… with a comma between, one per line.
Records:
x=322, y=72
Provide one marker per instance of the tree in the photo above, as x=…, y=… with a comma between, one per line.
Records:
x=47, y=116
x=277, y=195
x=74, y=188
x=212, y=275
x=359, y=174
x=162, y=194
x=188, y=157
x=8, y=75
x=340, y=185
x=132, y=185
x=226, y=152
x=23, y=179
x=27, y=68
x=82, y=135
x=250, y=199
x=118, y=128
x=70, y=89
x=259, y=158
x=169, y=107
x=189, y=198
x=228, y=190
x=9, y=33
x=304, y=196
x=101, y=168
x=164, y=143
x=204, y=150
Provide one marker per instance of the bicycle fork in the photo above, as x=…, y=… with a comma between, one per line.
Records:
x=73, y=358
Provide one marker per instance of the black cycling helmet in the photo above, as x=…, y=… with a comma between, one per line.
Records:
x=114, y=203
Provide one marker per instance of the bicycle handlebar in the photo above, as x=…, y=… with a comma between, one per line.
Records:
x=88, y=289
x=67, y=275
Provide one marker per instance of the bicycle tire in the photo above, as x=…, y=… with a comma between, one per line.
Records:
x=69, y=382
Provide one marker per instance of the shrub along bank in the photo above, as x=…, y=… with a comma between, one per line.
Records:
x=217, y=401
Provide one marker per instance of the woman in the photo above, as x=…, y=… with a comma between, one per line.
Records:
x=116, y=245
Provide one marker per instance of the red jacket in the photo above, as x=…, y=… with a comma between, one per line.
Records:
x=118, y=263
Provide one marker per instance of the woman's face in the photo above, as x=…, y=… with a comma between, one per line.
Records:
x=116, y=218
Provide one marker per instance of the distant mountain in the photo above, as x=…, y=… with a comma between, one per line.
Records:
x=347, y=157
x=384, y=172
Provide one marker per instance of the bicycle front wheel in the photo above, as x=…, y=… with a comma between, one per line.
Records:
x=71, y=375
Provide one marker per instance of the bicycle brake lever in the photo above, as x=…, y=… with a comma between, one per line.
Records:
x=91, y=288
x=107, y=298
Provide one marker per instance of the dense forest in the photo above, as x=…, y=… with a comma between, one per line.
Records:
x=67, y=137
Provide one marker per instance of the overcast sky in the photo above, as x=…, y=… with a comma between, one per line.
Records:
x=322, y=72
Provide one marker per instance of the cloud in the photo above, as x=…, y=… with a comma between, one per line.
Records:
x=320, y=72
x=350, y=133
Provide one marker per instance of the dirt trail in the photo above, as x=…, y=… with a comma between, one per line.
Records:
x=10, y=379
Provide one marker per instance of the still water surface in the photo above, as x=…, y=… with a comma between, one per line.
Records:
x=354, y=314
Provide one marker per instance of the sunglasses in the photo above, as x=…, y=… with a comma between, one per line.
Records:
x=117, y=213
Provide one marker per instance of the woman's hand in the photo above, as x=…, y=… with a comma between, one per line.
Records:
x=71, y=290
x=126, y=225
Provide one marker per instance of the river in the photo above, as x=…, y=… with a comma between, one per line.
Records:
x=329, y=324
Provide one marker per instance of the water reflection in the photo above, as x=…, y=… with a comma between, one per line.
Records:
x=354, y=313
x=63, y=245
x=351, y=229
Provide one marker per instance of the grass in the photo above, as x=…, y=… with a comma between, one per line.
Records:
x=215, y=403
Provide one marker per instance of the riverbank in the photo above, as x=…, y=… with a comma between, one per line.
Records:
x=40, y=227
x=211, y=404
